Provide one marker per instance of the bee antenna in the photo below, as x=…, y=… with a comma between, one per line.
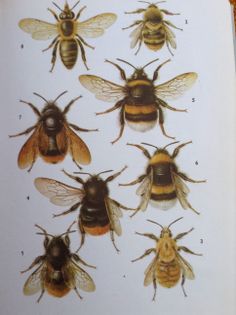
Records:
x=124, y=61
x=67, y=232
x=156, y=223
x=105, y=172
x=57, y=6
x=145, y=2
x=170, y=144
x=150, y=63
x=150, y=145
x=44, y=232
x=159, y=2
x=59, y=96
x=83, y=173
x=75, y=5
x=174, y=222
x=40, y=96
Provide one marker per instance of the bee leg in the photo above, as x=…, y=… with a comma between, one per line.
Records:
x=181, y=235
x=24, y=132
x=82, y=231
x=136, y=11
x=168, y=47
x=35, y=109
x=168, y=12
x=139, y=46
x=185, y=177
x=54, y=56
x=186, y=250
x=182, y=285
x=54, y=14
x=83, y=55
x=117, y=105
x=78, y=259
x=76, y=178
x=132, y=25
x=112, y=177
x=161, y=122
x=122, y=124
x=164, y=104
x=77, y=292
x=122, y=72
x=80, y=11
x=72, y=209
x=155, y=74
x=134, y=182
x=155, y=289
x=113, y=240
x=51, y=45
x=41, y=295
x=151, y=236
x=177, y=150
x=172, y=25
x=145, y=152
x=81, y=129
x=147, y=252
x=37, y=261
x=84, y=42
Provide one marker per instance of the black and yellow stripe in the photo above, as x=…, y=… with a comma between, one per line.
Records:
x=154, y=39
x=69, y=52
x=140, y=113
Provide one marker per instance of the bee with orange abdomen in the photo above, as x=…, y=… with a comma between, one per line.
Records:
x=67, y=33
x=168, y=266
x=153, y=30
x=57, y=269
x=52, y=137
x=162, y=184
x=140, y=102
x=99, y=213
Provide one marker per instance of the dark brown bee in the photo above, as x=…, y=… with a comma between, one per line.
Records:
x=140, y=102
x=153, y=30
x=168, y=266
x=68, y=33
x=99, y=213
x=52, y=137
x=162, y=184
x=57, y=269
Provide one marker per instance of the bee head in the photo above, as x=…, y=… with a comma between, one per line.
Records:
x=165, y=231
x=66, y=13
x=139, y=73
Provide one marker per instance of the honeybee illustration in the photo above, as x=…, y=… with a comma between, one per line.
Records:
x=139, y=100
x=153, y=30
x=68, y=33
x=162, y=184
x=99, y=213
x=168, y=266
x=52, y=137
x=57, y=269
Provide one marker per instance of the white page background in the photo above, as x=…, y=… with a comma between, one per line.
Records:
x=205, y=46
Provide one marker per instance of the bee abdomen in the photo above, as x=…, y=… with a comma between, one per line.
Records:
x=69, y=52
x=154, y=39
x=168, y=274
x=141, y=118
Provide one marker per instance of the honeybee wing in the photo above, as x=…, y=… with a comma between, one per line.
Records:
x=102, y=89
x=114, y=214
x=150, y=271
x=186, y=267
x=136, y=34
x=181, y=191
x=95, y=26
x=38, y=29
x=58, y=193
x=35, y=282
x=176, y=87
x=29, y=152
x=144, y=190
x=76, y=277
x=170, y=36
x=77, y=148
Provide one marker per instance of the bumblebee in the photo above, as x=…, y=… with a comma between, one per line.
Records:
x=57, y=269
x=99, y=213
x=68, y=33
x=52, y=137
x=162, y=184
x=168, y=266
x=140, y=102
x=153, y=30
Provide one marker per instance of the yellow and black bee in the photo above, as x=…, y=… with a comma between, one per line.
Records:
x=162, y=184
x=68, y=33
x=153, y=30
x=57, y=270
x=52, y=137
x=140, y=102
x=99, y=213
x=168, y=266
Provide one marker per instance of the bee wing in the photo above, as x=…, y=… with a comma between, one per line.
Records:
x=114, y=214
x=58, y=193
x=170, y=36
x=144, y=190
x=77, y=148
x=176, y=87
x=76, y=277
x=136, y=34
x=150, y=272
x=186, y=267
x=35, y=282
x=95, y=26
x=181, y=191
x=29, y=152
x=39, y=30
x=104, y=90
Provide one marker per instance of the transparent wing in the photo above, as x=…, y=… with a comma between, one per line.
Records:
x=150, y=272
x=136, y=35
x=144, y=190
x=170, y=36
x=58, y=193
x=39, y=30
x=114, y=214
x=186, y=267
x=76, y=277
x=104, y=90
x=176, y=87
x=181, y=190
x=95, y=26
x=35, y=281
